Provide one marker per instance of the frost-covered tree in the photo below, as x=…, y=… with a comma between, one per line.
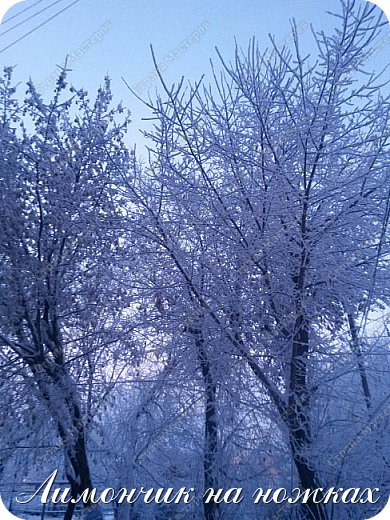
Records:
x=62, y=307
x=268, y=206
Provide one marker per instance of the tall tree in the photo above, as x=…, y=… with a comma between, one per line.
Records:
x=283, y=163
x=60, y=214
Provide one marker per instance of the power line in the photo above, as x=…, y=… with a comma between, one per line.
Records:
x=30, y=17
x=21, y=12
x=38, y=26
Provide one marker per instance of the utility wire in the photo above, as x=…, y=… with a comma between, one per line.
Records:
x=38, y=26
x=30, y=17
x=21, y=12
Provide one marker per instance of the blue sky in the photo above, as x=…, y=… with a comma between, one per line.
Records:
x=113, y=36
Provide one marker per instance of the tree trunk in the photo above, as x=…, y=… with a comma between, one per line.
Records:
x=210, y=456
x=298, y=420
x=57, y=390
x=359, y=359
x=211, y=509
